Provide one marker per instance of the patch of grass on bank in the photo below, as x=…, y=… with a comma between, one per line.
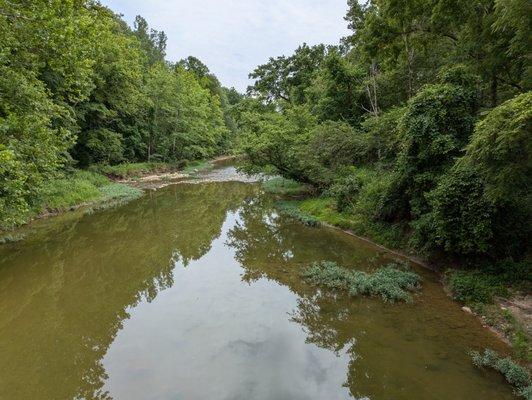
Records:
x=64, y=193
x=290, y=209
x=324, y=210
x=131, y=170
x=83, y=188
x=117, y=191
x=474, y=287
x=479, y=290
x=285, y=187
x=391, y=282
x=515, y=374
x=196, y=166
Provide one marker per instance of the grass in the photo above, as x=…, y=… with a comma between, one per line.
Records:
x=515, y=374
x=392, y=282
x=83, y=188
x=479, y=290
x=290, y=209
x=474, y=287
x=196, y=166
x=324, y=209
x=64, y=193
x=285, y=187
x=130, y=170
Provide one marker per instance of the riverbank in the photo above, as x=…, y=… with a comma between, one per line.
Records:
x=103, y=186
x=499, y=299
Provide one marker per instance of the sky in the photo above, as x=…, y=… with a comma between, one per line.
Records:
x=234, y=36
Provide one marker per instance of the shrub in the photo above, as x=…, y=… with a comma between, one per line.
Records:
x=460, y=220
x=502, y=149
x=435, y=128
x=391, y=282
x=345, y=191
x=472, y=287
x=515, y=374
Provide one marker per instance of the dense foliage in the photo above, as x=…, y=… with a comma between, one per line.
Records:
x=419, y=122
x=78, y=86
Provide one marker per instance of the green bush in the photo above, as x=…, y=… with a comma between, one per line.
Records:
x=436, y=126
x=392, y=282
x=472, y=287
x=515, y=374
x=14, y=206
x=502, y=149
x=345, y=191
x=460, y=220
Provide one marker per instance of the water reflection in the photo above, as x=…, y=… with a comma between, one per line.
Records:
x=194, y=292
x=402, y=351
x=65, y=292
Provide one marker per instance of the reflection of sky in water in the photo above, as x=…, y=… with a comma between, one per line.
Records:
x=174, y=296
x=213, y=337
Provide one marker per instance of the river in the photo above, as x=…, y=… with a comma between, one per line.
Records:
x=194, y=292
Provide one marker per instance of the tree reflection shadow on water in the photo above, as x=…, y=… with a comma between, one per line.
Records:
x=410, y=350
x=67, y=291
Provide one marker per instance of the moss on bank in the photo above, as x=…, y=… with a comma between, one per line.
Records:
x=83, y=188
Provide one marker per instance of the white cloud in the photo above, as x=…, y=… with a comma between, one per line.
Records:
x=234, y=36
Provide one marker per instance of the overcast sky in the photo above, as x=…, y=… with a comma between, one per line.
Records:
x=234, y=36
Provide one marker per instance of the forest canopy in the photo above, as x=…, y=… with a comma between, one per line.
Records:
x=418, y=122
x=79, y=86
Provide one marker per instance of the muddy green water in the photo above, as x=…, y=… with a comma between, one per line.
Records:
x=193, y=292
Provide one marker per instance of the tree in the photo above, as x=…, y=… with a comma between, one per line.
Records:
x=286, y=78
x=502, y=149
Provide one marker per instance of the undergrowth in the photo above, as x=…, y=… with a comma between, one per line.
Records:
x=84, y=188
x=324, y=210
x=392, y=283
x=196, y=166
x=129, y=170
x=479, y=290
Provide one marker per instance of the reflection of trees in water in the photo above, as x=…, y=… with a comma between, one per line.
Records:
x=267, y=245
x=66, y=292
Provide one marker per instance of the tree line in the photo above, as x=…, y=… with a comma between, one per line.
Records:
x=418, y=121
x=79, y=86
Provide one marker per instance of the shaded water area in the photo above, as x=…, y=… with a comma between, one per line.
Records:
x=194, y=292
